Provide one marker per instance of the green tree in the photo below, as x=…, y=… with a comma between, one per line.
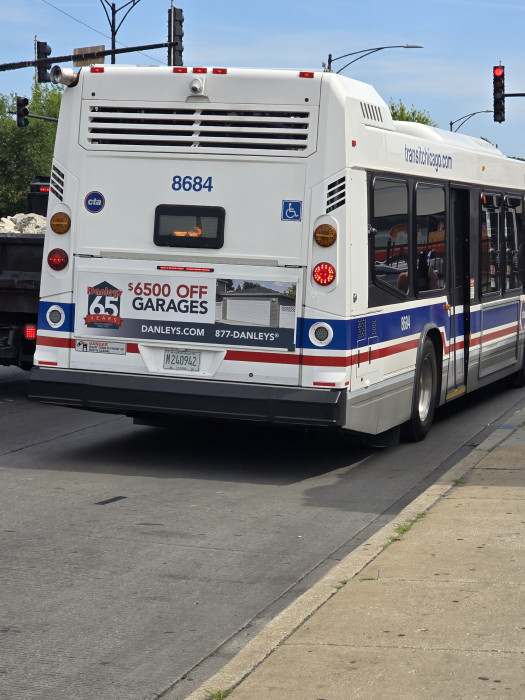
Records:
x=26, y=151
x=401, y=114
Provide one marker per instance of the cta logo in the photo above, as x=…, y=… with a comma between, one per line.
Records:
x=94, y=202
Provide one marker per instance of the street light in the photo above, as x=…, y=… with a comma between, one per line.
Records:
x=113, y=19
x=366, y=52
x=466, y=117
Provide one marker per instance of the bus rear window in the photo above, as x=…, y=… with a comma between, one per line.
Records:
x=189, y=226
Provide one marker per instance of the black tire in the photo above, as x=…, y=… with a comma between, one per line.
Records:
x=424, y=397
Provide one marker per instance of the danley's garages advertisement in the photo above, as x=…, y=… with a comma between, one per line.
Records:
x=197, y=309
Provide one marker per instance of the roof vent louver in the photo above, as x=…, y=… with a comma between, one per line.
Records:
x=335, y=195
x=130, y=127
x=371, y=112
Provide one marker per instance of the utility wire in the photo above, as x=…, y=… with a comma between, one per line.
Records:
x=46, y=2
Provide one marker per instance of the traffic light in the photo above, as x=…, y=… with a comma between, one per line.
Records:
x=43, y=50
x=22, y=111
x=175, y=34
x=498, y=73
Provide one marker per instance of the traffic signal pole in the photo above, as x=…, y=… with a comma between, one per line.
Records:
x=499, y=94
x=80, y=56
x=23, y=115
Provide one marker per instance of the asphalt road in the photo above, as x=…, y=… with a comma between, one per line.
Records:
x=135, y=559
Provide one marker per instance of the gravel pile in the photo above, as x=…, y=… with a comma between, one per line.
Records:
x=23, y=223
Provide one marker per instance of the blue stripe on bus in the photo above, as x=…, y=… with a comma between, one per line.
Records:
x=378, y=328
x=494, y=317
x=69, y=311
x=372, y=329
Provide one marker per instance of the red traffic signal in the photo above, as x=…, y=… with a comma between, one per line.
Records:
x=498, y=73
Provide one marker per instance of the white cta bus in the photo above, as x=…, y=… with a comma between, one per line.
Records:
x=270, y=245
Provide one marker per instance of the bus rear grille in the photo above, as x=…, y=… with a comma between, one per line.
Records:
x=56, y=184
x=160, y=128
x=335, y=195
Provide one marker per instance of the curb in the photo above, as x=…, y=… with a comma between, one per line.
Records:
x=292, y=617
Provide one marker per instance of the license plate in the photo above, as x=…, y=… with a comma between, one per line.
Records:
x=186, y=360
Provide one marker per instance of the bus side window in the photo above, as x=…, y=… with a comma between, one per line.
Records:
x=490, y=247
x=389, y=242
x=514, y=248
x=431, y=237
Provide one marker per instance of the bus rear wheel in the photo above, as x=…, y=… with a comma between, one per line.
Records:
x=424, y=397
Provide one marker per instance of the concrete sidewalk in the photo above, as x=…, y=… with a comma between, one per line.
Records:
x=432, y=606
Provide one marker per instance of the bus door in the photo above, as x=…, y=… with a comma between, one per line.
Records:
x=500, y=286
x=460, y=286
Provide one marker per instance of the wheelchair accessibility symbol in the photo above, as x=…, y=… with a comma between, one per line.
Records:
x=291, y=210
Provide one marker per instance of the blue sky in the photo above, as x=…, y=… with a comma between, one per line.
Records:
x=450, y=77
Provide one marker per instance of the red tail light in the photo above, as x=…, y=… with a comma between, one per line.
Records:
x=57, y=259
x=30, y=331
x=324, y=274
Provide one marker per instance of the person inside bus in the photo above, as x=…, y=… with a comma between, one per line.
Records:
x=436, y=265
x=426, y=277
x=402, y=282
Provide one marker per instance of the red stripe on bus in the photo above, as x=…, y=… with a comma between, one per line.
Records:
x=306, y=360
x=55, y=342
x=494, y=335
x=251, y=356
x=394, y=349
x=327, y=361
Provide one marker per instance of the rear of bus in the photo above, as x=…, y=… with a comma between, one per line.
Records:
x=180, y=271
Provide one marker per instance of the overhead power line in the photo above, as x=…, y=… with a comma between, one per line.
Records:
x=97, y=31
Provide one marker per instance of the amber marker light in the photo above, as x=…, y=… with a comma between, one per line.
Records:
x=325, y=235
x=60, y=222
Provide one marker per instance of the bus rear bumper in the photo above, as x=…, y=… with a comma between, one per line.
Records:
x=137, y=395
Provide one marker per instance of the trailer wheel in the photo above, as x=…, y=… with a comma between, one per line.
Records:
x=424, y=397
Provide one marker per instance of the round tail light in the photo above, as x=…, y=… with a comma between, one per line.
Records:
x=57, y=259
x=324, y=274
